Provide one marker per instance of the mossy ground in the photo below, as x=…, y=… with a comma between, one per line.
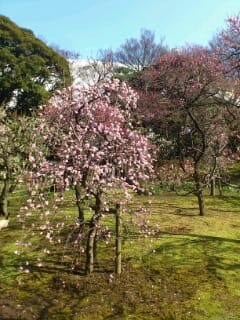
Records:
x=188, y=269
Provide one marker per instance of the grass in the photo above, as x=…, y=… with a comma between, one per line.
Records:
x=185, y=268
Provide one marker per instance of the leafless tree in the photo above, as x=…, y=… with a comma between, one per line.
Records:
x=93, y=70
x=138, y=53
x=67, y=54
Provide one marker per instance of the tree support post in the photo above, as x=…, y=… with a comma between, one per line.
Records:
x=118, y=256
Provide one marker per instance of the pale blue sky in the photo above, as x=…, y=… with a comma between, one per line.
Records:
x=86, y=26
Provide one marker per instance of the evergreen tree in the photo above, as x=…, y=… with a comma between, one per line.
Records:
x=29, y=70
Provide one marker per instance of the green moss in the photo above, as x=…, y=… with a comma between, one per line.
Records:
x=187, y=269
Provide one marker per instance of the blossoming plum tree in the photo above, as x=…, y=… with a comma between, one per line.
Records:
x=90, y=144
x=192, y=83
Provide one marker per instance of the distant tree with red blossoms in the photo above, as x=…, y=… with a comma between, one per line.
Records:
x=226, y=44
x=229, y=44
x=191, y=87
x=90, y=145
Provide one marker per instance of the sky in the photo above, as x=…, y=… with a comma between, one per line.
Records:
x=88, y=26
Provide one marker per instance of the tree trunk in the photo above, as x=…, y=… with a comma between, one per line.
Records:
x=220, y=187
x=4, y=199
x=118, y=257
x=199, y=194
x=201, y=203
x=4, y=207
x=92, y=235
x=95, y=247
x=90, y=249
x=79, y=203
x=212, y=188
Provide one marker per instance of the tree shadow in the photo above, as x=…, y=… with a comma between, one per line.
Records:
x=212, y=249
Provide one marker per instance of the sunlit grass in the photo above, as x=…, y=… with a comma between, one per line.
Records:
x=188, y=268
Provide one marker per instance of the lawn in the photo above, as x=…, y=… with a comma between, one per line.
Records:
x=182, y=267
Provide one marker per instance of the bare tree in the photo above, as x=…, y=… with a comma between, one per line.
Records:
x=138, y=53
x=67, y=54
x=93, y=71
x=103, y=65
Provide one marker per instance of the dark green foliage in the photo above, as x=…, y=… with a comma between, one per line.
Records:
x=29, y=69
x=15, y=145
